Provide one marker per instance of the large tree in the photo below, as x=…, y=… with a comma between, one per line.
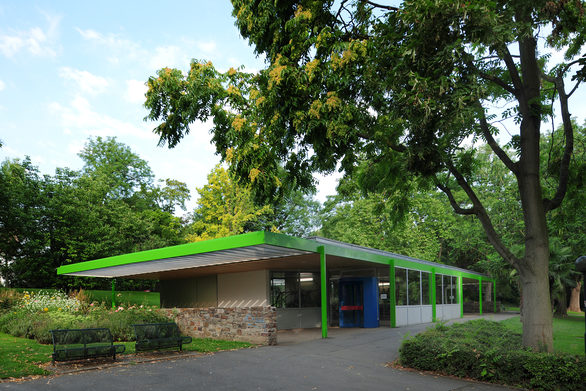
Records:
x=392, y=93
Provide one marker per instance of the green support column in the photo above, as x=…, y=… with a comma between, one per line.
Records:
x=494, y=295
x=480, y=295
x=432, y=295
x=392, y=296
x=113, y=293
x=461, y=294
x=324, y=291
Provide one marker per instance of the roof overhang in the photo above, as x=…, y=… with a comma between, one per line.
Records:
x=253, y=246
x=247, y=252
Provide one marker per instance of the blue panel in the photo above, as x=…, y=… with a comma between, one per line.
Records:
x=370, y=286
x=358, y=302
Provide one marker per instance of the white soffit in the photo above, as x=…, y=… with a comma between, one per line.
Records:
x=242, y=254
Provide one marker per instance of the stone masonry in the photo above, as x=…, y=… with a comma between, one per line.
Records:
x=250, y=324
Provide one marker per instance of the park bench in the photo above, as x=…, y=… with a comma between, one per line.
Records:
x=77, y=344
x=154, y=336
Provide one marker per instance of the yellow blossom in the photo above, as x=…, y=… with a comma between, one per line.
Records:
x=333, y=101
x=229, y=154
x=238, y=123
x=231, y=71
x=253, y=174
x=46, y=309
x=310, y=68
x=233, y=90
x=315, y=108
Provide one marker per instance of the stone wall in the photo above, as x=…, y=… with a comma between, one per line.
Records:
x=250, y=324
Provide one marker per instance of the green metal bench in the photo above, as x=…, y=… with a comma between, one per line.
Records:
x=154, y=336
x=78, y=344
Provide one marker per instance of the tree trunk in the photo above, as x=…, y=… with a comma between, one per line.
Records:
x=575, y=298
x=537, y=315
x=562, y=306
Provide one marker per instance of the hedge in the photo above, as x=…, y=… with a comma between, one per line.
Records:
x=489, y=351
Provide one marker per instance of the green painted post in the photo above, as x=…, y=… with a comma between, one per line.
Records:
x=494, y=295
x=113, y=293
x=324, y=291
x=480, y=295
x=432, y=295
x=392, y=294
x=460, y=280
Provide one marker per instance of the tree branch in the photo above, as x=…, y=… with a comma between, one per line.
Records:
x=499, y=82
x=480, y=212
x=512, y=68
x=502, y=155
x=564, y=174
x=386, y=7
x=457, y=208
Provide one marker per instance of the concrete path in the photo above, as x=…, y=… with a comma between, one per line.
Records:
x=350, y=359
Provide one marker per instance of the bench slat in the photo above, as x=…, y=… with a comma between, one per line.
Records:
x=76, y=344
x=154, y=336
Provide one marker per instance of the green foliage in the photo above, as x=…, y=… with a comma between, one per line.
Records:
x=34, y=313
x=490, y=351
x=110, y=207
x=224, y=208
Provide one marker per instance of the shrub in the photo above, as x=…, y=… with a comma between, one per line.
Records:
x=489, y=351
x=34, y=315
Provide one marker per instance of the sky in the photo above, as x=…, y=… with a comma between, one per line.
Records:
x=70, y=70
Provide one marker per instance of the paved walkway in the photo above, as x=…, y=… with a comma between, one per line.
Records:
x=350, y=359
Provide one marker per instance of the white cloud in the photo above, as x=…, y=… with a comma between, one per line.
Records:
x=207, y=46
x=2, y=85
x=169, y=56
x=79, y=117
x=135, y=90
x=36, y=41
x=86, y=81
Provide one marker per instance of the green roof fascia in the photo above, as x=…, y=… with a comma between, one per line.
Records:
x=439, y=269
x=356, y=253
x=292, y=242
x=231, y=242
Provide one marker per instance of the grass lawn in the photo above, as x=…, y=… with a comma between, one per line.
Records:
x=20, y=357
x=568, y=333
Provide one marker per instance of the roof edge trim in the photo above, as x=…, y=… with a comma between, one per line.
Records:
x=243, y=240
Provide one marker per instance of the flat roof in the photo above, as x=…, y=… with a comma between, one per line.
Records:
x=239, y=249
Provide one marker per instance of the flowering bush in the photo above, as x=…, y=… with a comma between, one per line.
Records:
x=34, y=314
x=45, y=301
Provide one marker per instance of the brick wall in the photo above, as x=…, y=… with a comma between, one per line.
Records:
x=250, y=324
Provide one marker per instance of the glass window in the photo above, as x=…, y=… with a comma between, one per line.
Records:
x=438, y=289
x=425, y=300
x=295, y=290
x=414, y=288
x=285, y=290
x=401, y=286
x=450, y=290
x=454, y=298
x=310, y=289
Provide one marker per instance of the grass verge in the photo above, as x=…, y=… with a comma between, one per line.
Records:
x=151, y=299
x=21, y=357
x=568, y=332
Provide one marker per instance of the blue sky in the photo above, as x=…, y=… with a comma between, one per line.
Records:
x=70, y=70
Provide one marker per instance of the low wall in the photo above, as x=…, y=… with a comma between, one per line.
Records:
x=249, y=324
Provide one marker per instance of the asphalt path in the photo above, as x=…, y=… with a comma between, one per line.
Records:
x=349, y=359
